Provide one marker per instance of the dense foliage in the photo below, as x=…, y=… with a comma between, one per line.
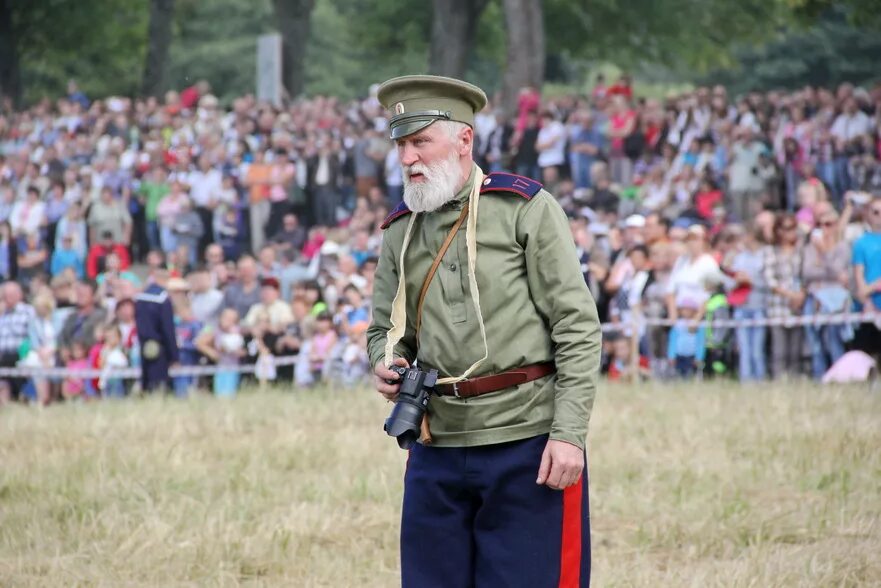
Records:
x=353, y=43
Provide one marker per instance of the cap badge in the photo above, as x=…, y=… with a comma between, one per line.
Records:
x=399, y=108
x=487, y=181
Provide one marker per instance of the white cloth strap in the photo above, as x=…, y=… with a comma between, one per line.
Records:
x=398, y=317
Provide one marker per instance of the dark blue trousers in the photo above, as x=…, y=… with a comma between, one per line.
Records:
x=474, y=517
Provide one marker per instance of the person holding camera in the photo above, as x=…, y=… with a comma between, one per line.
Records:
x=479, y=288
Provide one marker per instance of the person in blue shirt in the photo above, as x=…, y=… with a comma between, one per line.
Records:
x=686, y=345
x=586, y=147
x=67, y=256
x=867, y=274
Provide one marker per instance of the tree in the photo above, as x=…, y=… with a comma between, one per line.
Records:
x=60, y=40
x=524, y=21
x=10, y=80
x=453, y=30
x=216, y=40
x=158, y=41
x=826, y=53
x=293, y=17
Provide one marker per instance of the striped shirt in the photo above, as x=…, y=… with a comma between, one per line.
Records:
x=14, y=327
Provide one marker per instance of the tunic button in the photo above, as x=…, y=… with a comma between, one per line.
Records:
x=452, y=267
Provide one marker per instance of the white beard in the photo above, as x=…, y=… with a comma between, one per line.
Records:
x=439, y=187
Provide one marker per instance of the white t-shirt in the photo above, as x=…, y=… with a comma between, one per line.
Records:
x=850, y=126
x=205, y=187
x=691, y=279
x=554, y=134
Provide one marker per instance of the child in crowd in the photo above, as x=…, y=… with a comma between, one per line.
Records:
x=125, y=320
x=112, y=356
x=355, y=360
x=260, y=347
x=810, y=193
x=686, y=341
x=73, y=386
x=620, y=361
x=225, y=346
x=322, y=342
x=314, y=297
x=94, y=359
x=187, y=329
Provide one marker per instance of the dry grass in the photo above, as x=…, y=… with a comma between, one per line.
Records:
x=690, y=487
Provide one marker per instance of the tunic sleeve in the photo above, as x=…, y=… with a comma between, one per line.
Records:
x=563, y=299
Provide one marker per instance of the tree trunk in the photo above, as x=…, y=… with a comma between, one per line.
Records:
x=158, y=41
x=453, y=29
x=294, y=23
x=10, y=80
x=524, y=21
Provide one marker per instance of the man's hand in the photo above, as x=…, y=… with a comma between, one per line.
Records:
x=561, y=465
x=382, y=373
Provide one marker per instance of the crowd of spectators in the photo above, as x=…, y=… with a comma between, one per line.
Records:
x=764, y=206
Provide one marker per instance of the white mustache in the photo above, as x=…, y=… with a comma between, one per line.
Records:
x=417, y=168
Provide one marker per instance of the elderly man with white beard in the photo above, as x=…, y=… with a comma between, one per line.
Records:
x=479, y=280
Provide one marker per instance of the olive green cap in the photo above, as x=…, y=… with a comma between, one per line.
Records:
x=417, y=101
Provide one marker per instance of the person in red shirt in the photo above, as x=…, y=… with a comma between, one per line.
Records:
x=99, y=251
x=189, y=97
x=622, y=87
x=707, y=198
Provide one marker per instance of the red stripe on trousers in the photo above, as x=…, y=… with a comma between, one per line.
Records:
x=570, y=557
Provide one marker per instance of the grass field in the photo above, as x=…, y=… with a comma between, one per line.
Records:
x=691, y=486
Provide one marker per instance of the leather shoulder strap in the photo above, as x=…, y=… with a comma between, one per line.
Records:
x=437, y=260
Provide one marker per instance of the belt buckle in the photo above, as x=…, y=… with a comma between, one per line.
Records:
x=456, y=390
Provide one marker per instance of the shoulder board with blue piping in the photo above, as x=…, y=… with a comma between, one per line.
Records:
x=399, y=211
x=504, y=182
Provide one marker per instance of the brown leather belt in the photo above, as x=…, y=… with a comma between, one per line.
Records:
x=496, y=382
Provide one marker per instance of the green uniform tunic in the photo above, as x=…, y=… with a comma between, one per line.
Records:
x=535, y=305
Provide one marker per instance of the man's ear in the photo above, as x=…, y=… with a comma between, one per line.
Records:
x=466, y=140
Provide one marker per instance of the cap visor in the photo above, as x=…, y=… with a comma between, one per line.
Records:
x=404, y=129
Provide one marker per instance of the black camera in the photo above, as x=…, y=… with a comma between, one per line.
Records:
x=405, y=422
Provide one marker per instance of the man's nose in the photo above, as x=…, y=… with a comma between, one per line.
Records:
x=408, y=155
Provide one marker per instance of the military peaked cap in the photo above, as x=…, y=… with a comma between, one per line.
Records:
x=417, y=101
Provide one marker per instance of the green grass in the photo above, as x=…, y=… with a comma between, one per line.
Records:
x=690, y=486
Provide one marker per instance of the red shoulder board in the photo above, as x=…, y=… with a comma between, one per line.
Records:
x=504, y=182
x=399, y=211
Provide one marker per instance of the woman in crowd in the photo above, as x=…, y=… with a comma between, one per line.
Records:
x=695, y=274
x=749, y=298
x=826, y=275
x=168, y=211
x=783, y=262
x=42, y=343
x=29, y=214
x=551, y=147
